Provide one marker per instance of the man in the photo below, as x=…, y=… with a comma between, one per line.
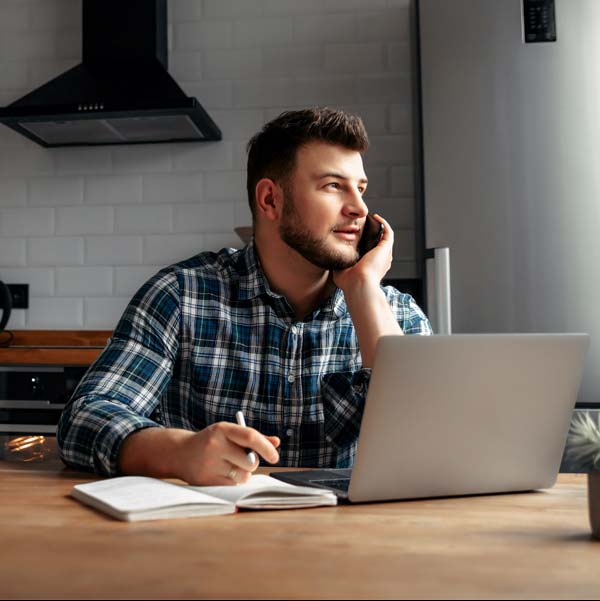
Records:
x=284, y=329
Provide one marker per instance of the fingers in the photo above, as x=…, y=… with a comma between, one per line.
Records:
x=388, y=233
x=236, y=467
x=236, y=475
x=238, y=457
x=224, y=481
x=275, y=441
x=223, y=452
x=249, y=438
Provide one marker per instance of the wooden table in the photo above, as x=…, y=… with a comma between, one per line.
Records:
x=503, y=546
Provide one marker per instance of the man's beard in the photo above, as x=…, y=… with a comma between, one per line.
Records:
x=311, y=248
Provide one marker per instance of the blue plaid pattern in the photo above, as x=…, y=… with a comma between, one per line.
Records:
x=207, y=337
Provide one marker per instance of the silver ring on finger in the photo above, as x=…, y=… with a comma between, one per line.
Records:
x=232, y=473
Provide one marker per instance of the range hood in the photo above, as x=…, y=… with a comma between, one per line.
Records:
x=121, y=93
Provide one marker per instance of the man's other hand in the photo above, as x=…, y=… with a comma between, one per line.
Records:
x=217, y=455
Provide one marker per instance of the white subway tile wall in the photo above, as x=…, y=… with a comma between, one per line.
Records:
x=85, y=227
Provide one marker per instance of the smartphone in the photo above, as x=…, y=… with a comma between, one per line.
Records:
x=371, y=235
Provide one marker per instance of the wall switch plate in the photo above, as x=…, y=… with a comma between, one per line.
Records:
x=20, y=295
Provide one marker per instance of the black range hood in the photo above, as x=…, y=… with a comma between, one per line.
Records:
x=121, y=93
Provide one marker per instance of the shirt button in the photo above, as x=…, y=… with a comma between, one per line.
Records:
x=291, y=378
x=294, y=329
x=289, y=432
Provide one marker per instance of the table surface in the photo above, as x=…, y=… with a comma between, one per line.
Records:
x=528, y=545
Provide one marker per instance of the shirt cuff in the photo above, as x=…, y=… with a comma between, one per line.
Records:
x=108, y=440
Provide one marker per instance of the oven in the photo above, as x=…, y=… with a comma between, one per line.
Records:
x=32, y=397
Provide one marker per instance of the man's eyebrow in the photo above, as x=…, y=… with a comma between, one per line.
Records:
x=362, y=180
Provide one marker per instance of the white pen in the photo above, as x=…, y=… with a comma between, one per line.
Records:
x=239, y=416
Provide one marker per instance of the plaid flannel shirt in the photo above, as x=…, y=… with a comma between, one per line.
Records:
x=207, y=337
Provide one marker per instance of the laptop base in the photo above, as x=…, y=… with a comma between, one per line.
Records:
x=335, y=480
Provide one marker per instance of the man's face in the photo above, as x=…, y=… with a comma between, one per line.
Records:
x=323, y=212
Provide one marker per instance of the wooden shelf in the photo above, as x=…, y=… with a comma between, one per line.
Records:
x=54, y=347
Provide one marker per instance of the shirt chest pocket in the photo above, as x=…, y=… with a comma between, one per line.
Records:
x=219, y=391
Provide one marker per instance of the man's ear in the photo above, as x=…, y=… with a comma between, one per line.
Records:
x=269, y=199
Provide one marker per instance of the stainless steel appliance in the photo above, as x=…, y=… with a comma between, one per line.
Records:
x=32, y=397
x=510, y=115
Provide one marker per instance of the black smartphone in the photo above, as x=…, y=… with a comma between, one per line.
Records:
x=371, y=235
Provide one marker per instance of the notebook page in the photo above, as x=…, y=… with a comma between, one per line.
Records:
x=262, y=484
x=137, y=493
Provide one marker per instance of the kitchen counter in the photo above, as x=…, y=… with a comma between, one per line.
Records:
x=54, y=347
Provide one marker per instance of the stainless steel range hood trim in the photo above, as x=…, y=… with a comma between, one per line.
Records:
x=206, y=130
x=90, y=111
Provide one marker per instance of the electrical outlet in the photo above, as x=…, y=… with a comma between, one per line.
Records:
x=20, y=295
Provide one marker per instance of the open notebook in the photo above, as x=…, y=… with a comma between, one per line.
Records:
x=134, y=498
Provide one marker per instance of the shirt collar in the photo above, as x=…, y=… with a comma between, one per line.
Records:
x=253, y=283
x=336, y=304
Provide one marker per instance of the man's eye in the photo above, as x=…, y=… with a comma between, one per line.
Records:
x=335, y=184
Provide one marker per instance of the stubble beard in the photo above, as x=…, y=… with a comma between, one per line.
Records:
x=313, y=249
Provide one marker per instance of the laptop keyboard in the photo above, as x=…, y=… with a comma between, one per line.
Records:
x=337, y=483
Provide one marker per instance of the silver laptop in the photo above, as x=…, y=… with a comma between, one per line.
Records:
x=461, y=415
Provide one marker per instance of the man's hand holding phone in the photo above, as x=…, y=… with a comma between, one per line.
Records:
x=376, y=256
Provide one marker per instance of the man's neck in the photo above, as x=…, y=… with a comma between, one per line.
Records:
x=304, y=285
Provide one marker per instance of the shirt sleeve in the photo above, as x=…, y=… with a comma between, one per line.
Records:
x=344, y=393
x=121, y=391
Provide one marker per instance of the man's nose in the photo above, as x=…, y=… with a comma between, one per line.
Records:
x=356, y=206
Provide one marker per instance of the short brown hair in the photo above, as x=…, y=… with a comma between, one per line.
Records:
x=272, y=151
